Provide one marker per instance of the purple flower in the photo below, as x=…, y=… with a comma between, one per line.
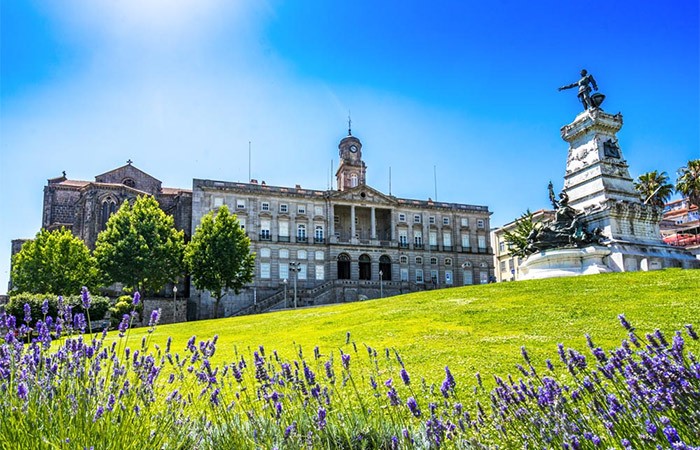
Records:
x=45, y=307
x=321, y=421
x=404, y=376
x=525, y=355
x=346, y=361
x=155, y=316
x=137, y=299
x=650, y=427
x=124, y=325
x=86, y=298
x=27, y=314
x=413, y=406
x=22, y=391
x=347, y=338
x=79, y=322
x=99, y=412
x=691, y=332
x=625, y=323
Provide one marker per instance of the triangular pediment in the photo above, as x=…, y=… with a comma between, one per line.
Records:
x=364, y=193
x=131, y=176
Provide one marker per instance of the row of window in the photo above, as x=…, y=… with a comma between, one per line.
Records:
x=284, y=254
x=302, y=274
x=265, y=206
x=433, y=239
x=417, y=218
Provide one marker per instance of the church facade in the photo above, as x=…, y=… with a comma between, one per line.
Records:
x=345, y=244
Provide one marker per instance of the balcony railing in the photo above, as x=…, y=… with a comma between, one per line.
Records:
x=446, y=248
x=282, y=238
x=403, y=244
x=319, y=240
x=434, y=247
x=302, y=239
x=264, y=236
x=418, y=246
x=466, y=249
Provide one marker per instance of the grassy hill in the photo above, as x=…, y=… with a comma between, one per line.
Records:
x=475, y=328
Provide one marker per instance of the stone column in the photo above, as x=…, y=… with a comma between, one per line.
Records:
x=393, y=226
x=374, y=224
x=352, y=222
x=331, y=223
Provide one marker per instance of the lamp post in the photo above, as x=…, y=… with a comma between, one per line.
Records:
x=464, y=272
x=175, y=298
x=175, y=293
x=285, y=292
x=295, y=267
x=381, y=284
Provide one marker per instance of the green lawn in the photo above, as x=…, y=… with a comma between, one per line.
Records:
x=475, y=328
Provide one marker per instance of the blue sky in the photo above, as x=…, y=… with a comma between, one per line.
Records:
x=180, y=87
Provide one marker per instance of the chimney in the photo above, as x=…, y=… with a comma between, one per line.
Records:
x=253, y=181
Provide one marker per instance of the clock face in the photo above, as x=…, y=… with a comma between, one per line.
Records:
x=353, y=148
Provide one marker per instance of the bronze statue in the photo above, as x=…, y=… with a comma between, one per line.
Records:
x=567, y=230
x=584, y=91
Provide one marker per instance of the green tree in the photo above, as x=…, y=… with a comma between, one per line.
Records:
x=654, y=188
x=140, y=247
x=54, y=262
x=688, y=183
x=517, y=239
x=219, y=257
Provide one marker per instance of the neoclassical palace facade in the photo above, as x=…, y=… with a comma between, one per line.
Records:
x=345, y=244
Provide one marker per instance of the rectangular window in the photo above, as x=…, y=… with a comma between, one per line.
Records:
x=403, y=237
x=419, y=275
x=240, y=204
x=480, y=223
x=434, y=276
x=433, y=238
x=284, y=253
x=445, y=220
x=482, y=241
x=284, y=271
x=301, y=209
x=448, y=277
x=404, y=274
x=447, y=239
x=402, y=217
x=465, y=241
x=320, y=274
x=265, y=229
x=301, y=254
x=302, y=271
x=503, y=266
x=241, y=222
x=483, y=278
x=319, y=255
x=318, y=233
x=264, y=252
x=283, y=208
x=265, y=270
x=218, y=202
x=431, y=220
x=416, y=219
x=501, y=246
x=468, y=277
x=284, y=228
x=418, y=237
x=465, y=222
x=264, y=206
x=318, y=210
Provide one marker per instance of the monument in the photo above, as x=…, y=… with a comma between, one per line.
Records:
x=601, y=224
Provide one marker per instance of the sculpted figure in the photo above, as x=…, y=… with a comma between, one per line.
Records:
x=584, y=89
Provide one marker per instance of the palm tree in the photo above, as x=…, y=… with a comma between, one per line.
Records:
x=654, y=188
x=688, y=183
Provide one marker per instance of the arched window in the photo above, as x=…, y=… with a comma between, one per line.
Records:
x=365, y=265
x=419, y=260
x=433, y=261
x=403, y=259
x=109, y=207
x=385, y=267
x=301, y=232
x=343, y=266
x=353, y=180
x=318, y=233
x=129, y=182
x=448, y=261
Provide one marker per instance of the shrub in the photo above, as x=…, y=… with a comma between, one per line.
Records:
x=124, y=305
x=98, y=308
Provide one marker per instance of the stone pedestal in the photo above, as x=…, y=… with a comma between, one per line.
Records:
x=598, y=182
x=566, y=262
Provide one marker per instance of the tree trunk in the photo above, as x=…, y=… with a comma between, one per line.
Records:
x=216, y=307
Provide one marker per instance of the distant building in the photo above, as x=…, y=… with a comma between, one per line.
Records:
x=340, y=241
x=680, y=226
x=505, y=265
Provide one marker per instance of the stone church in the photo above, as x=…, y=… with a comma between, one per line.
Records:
x=345, y=244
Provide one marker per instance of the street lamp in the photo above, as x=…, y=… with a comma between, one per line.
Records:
x=465, y=265
x=381, y=284
x=285, y=292
x=175, y=293
x=295, y=267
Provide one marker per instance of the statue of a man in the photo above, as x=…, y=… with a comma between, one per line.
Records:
x=584, y=89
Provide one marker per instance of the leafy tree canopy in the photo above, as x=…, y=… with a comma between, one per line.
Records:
x=688, y=183
x=218, y=257
x=517, y=239
x=654, y=188
x=55, y=261
x=140, y=247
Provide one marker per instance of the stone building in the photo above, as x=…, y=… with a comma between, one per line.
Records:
x=344, y=244
x=85, y=206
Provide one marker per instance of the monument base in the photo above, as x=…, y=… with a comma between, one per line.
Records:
x=565, y=262
x=626, y=256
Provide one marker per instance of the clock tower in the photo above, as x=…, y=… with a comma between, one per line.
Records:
x=351, y=171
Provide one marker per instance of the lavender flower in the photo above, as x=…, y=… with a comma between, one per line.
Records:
x=321, y=419
x=346, y=361
x=625, y=323
x=27, y=314
x=45, y=307
x=404, y=376
x=155, y=316
x=691, y=332
x=86, y=298
x=413, y=406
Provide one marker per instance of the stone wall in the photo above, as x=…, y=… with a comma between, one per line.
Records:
x=171, y=311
